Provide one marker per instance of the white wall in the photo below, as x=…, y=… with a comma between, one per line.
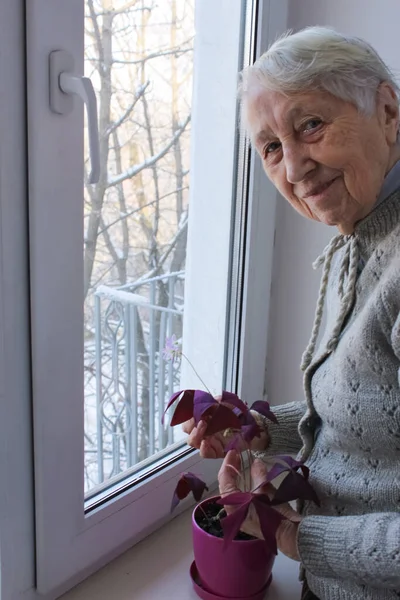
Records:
x=298, y=242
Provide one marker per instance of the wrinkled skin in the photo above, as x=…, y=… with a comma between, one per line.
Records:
x=328, y=160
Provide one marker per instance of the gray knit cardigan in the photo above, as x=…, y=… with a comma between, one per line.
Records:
x=348, y=427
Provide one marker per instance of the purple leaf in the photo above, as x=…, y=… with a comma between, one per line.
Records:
x=197, y=486
x=232, y=523
x=184, y=408
x=187, y=483
x=275, y=471
x=217, y=415
x=294, y=487
x=249, y=432
x=294, y=465
x=170, y=402
x=222, y=418
x=262, y=407
x=270, y=520
x=290, y=465
x=202, y=402
x=234, y=400
x=181, y=491
x=248, y=419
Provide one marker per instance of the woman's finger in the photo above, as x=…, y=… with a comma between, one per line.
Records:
x=259, y=474
x=229, y=473
x=188, y=426
x=288, y=512
x=212, y=447
x=207, y=451
x=197, y=435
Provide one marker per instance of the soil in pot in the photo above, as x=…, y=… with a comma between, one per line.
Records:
x=209, y=520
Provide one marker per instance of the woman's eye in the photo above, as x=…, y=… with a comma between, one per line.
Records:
x=311, y=124
x=271, y=148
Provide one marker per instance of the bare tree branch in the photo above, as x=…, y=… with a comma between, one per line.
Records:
x=149, y=162
x=105, y=43
x=171, y=245
x=96, y=31
x=125, y=8
x=175, y=52
x=139, y=93
x=136, y=210
x=154, y=246
x=179, y=255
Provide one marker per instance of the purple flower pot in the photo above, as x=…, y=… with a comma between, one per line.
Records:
x=241, y=570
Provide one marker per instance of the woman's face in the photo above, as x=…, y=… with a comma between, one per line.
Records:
x=324, y=157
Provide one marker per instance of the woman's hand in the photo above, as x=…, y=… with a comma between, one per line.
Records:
x=286, y=535
x=213, y=446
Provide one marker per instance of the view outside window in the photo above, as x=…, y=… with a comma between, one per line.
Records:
x=139, y=56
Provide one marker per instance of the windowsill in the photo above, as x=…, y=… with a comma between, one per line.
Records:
x=158, y=569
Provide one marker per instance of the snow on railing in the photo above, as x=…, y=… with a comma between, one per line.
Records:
x=133, y=381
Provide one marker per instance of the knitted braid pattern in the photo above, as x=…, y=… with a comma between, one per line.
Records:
x=326, y=259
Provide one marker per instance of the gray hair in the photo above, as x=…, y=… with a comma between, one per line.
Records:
x=320, y=58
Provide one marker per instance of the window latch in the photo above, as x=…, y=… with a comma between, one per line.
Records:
x=63, y=86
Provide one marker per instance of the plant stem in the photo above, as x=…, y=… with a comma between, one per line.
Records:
x=243, y=469
x=185, y=357
x=204, y=513
x=250, y=461
x=220, y=512
x=238, y=473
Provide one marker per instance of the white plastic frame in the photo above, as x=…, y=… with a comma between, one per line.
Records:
x=70, y=544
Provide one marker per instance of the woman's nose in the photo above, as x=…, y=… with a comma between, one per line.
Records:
x=298, y=163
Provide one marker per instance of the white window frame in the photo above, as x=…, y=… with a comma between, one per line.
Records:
x=70, y=545
x=69, y=542
x=251, y=293
x=17, y=565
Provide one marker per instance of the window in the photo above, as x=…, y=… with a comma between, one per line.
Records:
x=140, y=58
x=161, y=245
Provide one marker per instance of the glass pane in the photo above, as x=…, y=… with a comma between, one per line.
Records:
x=139, y=55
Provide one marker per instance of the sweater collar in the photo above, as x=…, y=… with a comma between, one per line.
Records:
x=390, y=184
x=382, y=220
x=386, y=212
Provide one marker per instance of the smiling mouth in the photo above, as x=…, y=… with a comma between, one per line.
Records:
x=319, y=189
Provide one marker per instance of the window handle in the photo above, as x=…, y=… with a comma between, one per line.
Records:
x=63, y=86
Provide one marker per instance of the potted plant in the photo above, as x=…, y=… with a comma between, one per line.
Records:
x=228, y=563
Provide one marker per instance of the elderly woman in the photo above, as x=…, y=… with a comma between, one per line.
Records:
x=322, y=110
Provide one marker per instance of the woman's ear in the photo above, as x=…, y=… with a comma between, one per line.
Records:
x=388, y=111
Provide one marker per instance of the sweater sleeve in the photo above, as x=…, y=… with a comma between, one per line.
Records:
x=284, y=436
x=364, y=549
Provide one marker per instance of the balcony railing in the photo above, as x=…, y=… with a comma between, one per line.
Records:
x=132, y=380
